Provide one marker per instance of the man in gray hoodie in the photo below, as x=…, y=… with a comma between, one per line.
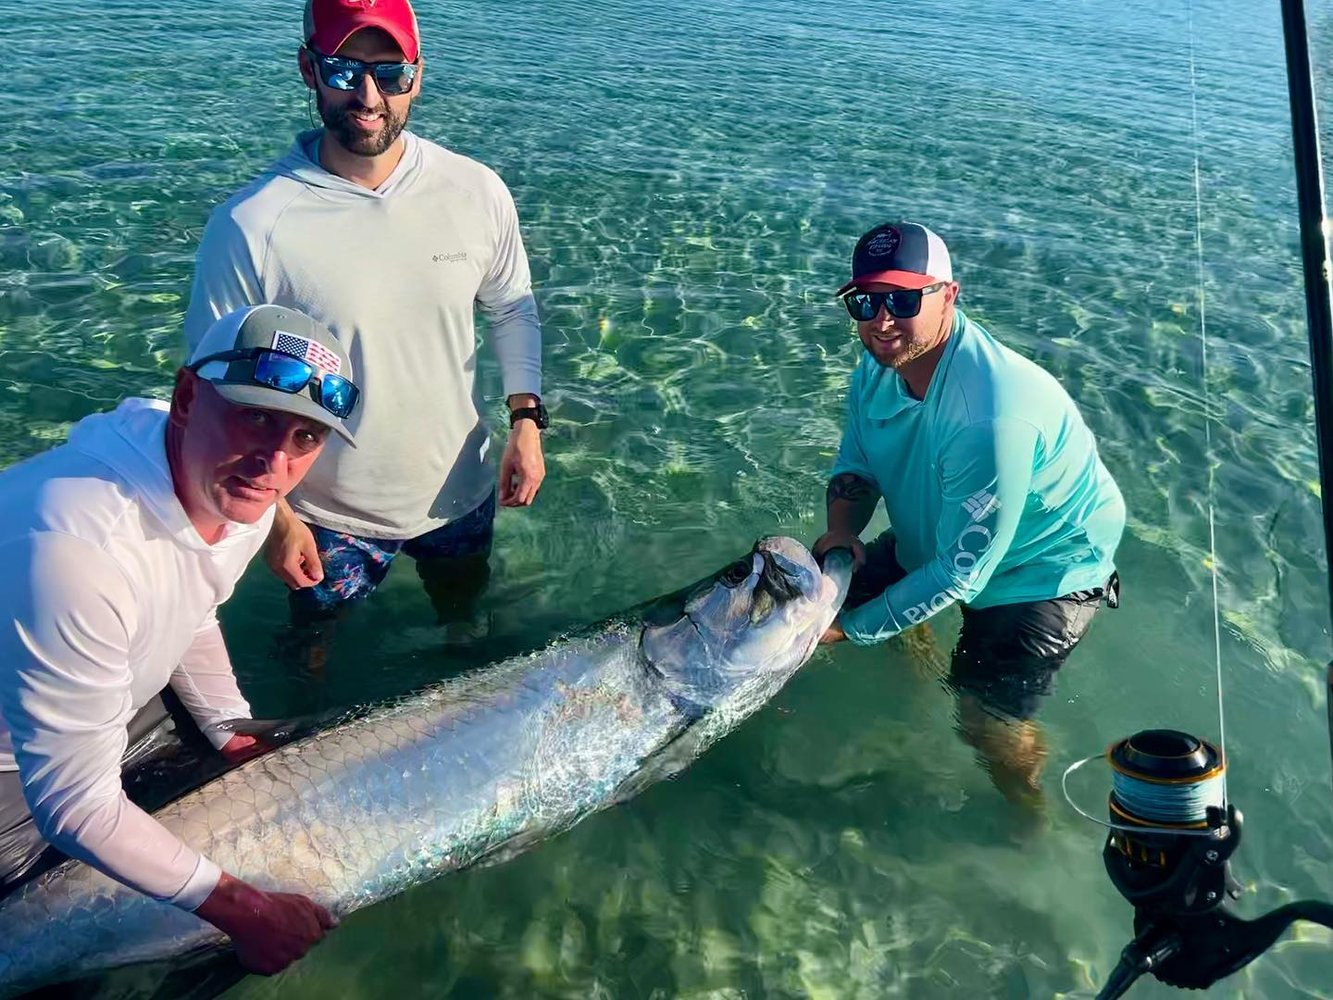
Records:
x=389, y=240
x=118, y=548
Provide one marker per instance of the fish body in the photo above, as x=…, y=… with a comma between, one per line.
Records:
x=471, y=770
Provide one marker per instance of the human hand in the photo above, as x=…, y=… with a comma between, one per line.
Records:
x=522, y=467
x=242, y=747
x=840, y=540
x=269, y=930
x=832, y=634
x=291, y=552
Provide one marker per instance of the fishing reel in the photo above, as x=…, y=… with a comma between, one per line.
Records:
x=1168, y=851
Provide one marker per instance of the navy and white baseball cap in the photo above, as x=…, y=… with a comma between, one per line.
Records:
x=288, y=331
x=899, y=253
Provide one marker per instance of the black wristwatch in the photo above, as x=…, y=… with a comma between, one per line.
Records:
x=535, y=413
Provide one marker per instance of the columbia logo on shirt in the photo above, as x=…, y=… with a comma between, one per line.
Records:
x=449, y=258
x=980, y=504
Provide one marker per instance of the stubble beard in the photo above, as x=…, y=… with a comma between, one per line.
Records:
x=916, y=347
x=344, y=133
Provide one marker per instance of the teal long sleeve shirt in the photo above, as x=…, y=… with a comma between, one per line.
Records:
x=992, y=483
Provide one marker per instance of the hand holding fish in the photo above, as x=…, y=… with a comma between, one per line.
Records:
x=836, y=539
x=269, y=930
x=833, y=633
x=242, y=747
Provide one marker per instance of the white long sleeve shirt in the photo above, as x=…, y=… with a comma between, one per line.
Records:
x=108, y=594
x=395, y=274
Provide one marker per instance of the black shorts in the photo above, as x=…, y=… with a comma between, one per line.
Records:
x=1007, y=655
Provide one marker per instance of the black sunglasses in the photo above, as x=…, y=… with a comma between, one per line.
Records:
x=288, y=373
x=903, y=303
x=341, y=73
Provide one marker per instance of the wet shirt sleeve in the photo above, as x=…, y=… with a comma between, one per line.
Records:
x=65, y=695
x=206, y=684
x=985, y=475
x=505, y=296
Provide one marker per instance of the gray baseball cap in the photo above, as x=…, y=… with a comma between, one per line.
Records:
x=287, y=331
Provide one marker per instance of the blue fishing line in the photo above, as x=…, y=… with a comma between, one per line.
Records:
x=1178, y=802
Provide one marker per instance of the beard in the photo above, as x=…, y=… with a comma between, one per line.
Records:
x=914, y=347
x=913, y=350
x=336, y=120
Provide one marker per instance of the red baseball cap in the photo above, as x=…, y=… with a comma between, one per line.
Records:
x=329, y=23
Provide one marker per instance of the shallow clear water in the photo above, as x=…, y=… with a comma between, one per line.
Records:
x=691, y=180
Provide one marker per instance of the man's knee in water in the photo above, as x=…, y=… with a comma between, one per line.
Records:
x=979, y=725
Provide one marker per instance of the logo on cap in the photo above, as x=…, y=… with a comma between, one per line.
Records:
x=307, y=350
x=883, y=243
x=363, y=4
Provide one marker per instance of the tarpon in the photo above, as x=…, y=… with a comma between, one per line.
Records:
x=471, y=770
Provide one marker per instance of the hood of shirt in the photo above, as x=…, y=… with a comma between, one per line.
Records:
x=301, y=163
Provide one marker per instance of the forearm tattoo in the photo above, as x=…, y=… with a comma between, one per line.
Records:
x=850, y=486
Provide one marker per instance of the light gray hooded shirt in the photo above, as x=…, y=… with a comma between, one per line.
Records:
x=394, y=273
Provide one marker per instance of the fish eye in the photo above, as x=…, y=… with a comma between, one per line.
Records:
x=736, y=574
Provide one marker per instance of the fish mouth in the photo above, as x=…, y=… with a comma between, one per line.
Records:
x=777, y=584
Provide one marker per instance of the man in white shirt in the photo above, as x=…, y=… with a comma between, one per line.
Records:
x=118, y=547
x=390, y=240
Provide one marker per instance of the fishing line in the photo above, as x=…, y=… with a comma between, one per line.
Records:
x=1169, y=803
x=1188, y=800
x=1138, y=788
x=1173, y=833
x=1208, y=415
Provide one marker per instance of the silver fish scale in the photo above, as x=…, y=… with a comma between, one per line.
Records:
x=487, y=763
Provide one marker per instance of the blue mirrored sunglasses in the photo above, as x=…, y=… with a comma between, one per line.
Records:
x=903, y=303
x=288, y=373
x=341, y=73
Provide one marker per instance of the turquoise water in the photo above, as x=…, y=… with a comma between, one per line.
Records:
x=691, y=179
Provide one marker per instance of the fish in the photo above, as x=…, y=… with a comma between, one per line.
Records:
x=469, y=771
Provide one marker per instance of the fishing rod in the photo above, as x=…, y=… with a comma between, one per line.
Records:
x=1315, y=264
x=1172, y=831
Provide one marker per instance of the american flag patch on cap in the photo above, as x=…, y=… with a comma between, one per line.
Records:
x=307, y=350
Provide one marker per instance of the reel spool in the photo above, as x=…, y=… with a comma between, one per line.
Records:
x=1165, y=778
x=1171, y=835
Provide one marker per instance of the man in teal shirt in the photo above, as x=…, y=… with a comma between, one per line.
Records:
x=996, y=497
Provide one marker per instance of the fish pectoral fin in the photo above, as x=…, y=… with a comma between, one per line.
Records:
x=277, y=732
